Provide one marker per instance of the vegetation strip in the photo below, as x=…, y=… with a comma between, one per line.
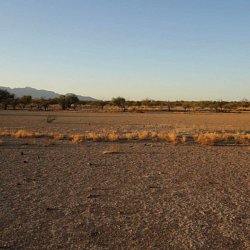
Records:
x=205, y=138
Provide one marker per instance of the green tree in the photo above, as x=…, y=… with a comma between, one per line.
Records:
x=71, y=99
x=5, y=98
x=119, y=102
x=61, y=100
x=25, y=100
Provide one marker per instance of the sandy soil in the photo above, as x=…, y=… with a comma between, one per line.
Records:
x=126, y=122
x=145, y=196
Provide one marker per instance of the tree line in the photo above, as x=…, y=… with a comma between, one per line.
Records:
x=71, y=101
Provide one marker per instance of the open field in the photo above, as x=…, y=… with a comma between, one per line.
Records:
x=77, y=122
x=128, y=194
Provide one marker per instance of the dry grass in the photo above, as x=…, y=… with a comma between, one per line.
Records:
x=162, y=136
x=205, y=138
x=112, y=136
x=24, y=134
x=1, y=142
x=94, y=136
x=241, y=138
x=58, y=136
x=131, y=136
x=173, y=137
x=6, y=133
x=144, y=135
x=214, y=138
x=76, y=138
x=113, y=149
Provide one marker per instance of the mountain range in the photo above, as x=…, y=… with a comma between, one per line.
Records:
x=40, y=93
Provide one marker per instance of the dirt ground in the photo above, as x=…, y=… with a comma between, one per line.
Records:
x=125, y=122
x=146, y=195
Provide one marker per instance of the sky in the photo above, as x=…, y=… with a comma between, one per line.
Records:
x=157, y=49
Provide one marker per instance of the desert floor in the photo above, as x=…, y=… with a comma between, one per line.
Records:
x=145, y=195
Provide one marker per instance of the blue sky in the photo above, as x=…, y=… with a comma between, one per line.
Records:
x=159, y=49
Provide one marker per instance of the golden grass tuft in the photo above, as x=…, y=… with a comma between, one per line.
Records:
x=173, y=137
x=131, y=136
x=162, y=136
x=6, y=133
x=23, y=134
x=241, y=138
x=1, y=142
x=76, y=138
x=58, y=136
x=94, y=136
x=144, y=135
x=206, y=138
x=112, y=136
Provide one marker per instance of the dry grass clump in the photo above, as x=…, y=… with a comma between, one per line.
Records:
x=24, y=134
x=207, y=138
x=113, y=149
x=162, y=136
x=76, y=138
x=94, y=136
x=173, y=137
x=144, y=135
x=6, y=133
x=131, y=136
x=112, y=136
x=1, y=142
x=213, y=138
x=241, y=138
x=58, y=136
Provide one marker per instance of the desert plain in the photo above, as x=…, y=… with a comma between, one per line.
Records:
x=123, y=194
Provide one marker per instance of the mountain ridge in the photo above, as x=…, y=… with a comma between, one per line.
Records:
x=40, y=93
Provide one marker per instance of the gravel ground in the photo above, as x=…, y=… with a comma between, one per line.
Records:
x=145, y=196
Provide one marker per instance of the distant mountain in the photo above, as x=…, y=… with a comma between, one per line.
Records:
x=40, y=93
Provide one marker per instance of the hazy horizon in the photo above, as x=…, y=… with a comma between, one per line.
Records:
x=164, y=50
